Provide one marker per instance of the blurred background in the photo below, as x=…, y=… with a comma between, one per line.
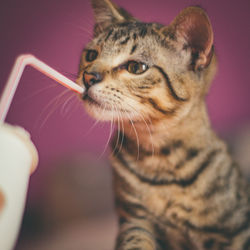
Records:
x=69, y=204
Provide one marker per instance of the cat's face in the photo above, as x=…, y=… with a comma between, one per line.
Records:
x=139, y=71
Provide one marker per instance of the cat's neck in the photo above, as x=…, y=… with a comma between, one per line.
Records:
x=194, y=129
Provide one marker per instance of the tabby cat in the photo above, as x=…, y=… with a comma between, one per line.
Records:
x=176, y=186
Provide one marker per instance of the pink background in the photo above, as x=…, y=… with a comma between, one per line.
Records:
x=56, y=31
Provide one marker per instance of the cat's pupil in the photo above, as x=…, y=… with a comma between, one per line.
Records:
x=136, y=67
x=91, y=55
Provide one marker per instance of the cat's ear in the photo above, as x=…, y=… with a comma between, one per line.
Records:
x=193, y=30
x=107, y=13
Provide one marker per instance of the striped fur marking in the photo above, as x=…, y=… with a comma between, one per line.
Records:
x=246, y=245
x=158, y=108
x=169, y=84
x=133, y=49
x=183, y=182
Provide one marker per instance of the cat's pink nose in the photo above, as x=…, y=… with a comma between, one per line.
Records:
x=91, y=78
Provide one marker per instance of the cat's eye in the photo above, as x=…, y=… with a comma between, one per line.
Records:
x=91, y=55
x=136, y=67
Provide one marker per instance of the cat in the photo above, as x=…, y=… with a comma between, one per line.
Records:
x=176, y=186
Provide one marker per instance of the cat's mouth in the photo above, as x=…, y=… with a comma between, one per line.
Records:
x=109, y=111
x=94, y=103
x=89, y=99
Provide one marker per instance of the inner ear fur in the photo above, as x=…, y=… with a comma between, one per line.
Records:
x=107, y=13
x=193, y=30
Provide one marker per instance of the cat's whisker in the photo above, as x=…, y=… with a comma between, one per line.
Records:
x=144, y=120
x=56, y=103
x=49, y=114
x=96, y=122
x=118, y=129
x=137, y=137
x=123, y=131
x=71, y=107
x=110, y=135
x=75, y=103
x=148, y=129
x=63, y=108
x=92, y=127
x=40, y=91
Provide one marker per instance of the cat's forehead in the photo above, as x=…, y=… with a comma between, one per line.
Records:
x=119, y=35
x=134, y=39
x=133, y=30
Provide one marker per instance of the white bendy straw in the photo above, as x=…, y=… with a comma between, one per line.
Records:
x=16, y=74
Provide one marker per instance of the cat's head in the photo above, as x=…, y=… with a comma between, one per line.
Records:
x=135, y=70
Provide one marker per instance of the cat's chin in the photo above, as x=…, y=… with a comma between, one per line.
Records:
x=105, y=112
x=99, y=113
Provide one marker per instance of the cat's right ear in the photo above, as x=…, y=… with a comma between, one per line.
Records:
x=107, y=13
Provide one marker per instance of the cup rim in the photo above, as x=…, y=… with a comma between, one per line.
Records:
x=24, y=136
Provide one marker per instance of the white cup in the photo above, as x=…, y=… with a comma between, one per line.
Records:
x=18, y=159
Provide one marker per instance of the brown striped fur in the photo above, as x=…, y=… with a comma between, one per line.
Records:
x=176, y=186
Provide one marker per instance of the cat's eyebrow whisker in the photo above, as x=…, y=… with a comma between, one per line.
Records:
x=80, y=21
x=86, y=30
x=86, y=22
x=80, y=26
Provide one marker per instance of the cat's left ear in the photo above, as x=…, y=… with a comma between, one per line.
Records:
x=107, y=13
x=193, y=31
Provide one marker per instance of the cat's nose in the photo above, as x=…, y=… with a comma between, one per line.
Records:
x=91, y=78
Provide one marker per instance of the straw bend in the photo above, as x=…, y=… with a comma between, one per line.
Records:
x=16, y=73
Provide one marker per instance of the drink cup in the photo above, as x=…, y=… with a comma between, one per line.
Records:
x=18, y=159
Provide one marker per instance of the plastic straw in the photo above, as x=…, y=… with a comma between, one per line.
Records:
x=16, y=74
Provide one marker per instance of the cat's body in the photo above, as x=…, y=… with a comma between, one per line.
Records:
x=199, y=202
x=176, y=186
